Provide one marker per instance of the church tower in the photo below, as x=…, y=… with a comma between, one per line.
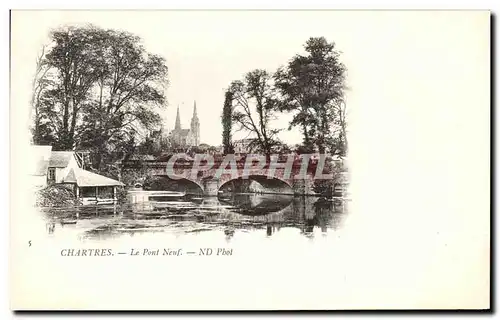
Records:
x=178, y=121
x=195, y=126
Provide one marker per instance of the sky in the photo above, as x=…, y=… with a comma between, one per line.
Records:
x=206, y=50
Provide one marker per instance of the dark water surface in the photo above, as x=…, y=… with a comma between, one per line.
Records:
x=249, y=213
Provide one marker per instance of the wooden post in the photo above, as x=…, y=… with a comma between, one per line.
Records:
x=96, y=194
x=114, y=200
x=77, y=192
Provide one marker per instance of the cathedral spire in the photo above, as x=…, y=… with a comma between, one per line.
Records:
x=178, y=120
x=195, y=126
x=195, y=114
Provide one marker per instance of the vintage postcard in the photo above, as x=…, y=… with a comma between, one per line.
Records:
x=249, y=160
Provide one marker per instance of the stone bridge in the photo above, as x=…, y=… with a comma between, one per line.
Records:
x=280, y=177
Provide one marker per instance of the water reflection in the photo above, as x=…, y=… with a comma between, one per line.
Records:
x=257, y=204
x=226, y=214
x=50, y=227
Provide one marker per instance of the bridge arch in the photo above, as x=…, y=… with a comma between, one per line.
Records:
x=258, y=204
x=176, y=183
x=268, y=185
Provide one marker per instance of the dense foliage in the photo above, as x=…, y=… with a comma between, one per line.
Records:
x=55, y=196
x=97, y=90
x=311, y=87
x=227, y=123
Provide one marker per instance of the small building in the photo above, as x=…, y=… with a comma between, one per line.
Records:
x=92, y=188
x=61, y=162
x=65, y=168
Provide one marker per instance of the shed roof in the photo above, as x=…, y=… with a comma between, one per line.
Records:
x=84, y=178
x=60, y=159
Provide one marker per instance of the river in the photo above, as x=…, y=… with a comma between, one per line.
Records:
x=236, y=251
x=262, y=215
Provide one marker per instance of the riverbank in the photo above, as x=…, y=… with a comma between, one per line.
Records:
x=56, y=196
x=59, y=196
x=63, y=196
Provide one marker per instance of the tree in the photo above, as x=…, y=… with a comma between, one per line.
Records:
x=227, y=123
x=283, y=148
x=41, y=129
x=338, y=144
x=106, y=90
x=312, y=87
x=254, y=104
x=325, y=187
x=126, y=93
x=77, y=62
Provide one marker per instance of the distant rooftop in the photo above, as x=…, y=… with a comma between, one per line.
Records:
x=245, y=140
x=146, y=157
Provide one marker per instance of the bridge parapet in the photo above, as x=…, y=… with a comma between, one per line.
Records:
x=298, y=177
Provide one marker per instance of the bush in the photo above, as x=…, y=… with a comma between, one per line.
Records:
x=121, y=195
x=56, y=196
x=327, y=188
x=324, y=187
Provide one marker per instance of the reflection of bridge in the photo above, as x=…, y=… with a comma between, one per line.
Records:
x=282, y=177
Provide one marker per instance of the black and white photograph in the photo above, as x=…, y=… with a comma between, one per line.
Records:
x=248, y=159
x=112, y=160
